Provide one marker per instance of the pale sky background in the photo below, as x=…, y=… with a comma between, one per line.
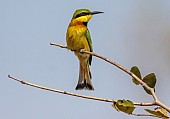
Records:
x=131, y=32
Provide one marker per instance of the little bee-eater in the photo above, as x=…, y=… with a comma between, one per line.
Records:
x=77, y=38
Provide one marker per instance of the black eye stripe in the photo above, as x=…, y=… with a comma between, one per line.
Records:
x=82, y=14
x=85, y=13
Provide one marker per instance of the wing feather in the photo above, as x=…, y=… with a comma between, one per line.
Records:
x=90, y=44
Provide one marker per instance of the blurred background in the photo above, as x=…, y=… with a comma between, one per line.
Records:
x=129, y=32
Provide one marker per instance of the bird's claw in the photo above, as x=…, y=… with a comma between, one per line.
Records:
x=82, y=50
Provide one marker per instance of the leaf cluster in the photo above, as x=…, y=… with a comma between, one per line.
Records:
x=128, y=107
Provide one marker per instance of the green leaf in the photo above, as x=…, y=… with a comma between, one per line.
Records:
x=136, y=71
x=159, y=112
x=150, y=80
x=126, y=106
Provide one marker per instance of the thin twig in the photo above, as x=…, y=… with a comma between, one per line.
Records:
x=156, y=100
x=75, y=94
x=145, y=115
x=61, y=46
x=60, y=91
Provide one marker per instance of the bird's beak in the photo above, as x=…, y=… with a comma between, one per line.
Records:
x=96, y=12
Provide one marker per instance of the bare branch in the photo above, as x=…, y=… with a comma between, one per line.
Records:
x=75, y=94
x=61, y=46
x=156, y=100
x=60, y=91
x=145, y=115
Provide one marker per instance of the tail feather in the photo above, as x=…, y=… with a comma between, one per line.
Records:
x=84, y=81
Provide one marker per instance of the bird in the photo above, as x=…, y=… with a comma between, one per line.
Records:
x=77, y=38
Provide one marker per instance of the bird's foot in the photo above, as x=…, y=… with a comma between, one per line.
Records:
x=81, y=50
